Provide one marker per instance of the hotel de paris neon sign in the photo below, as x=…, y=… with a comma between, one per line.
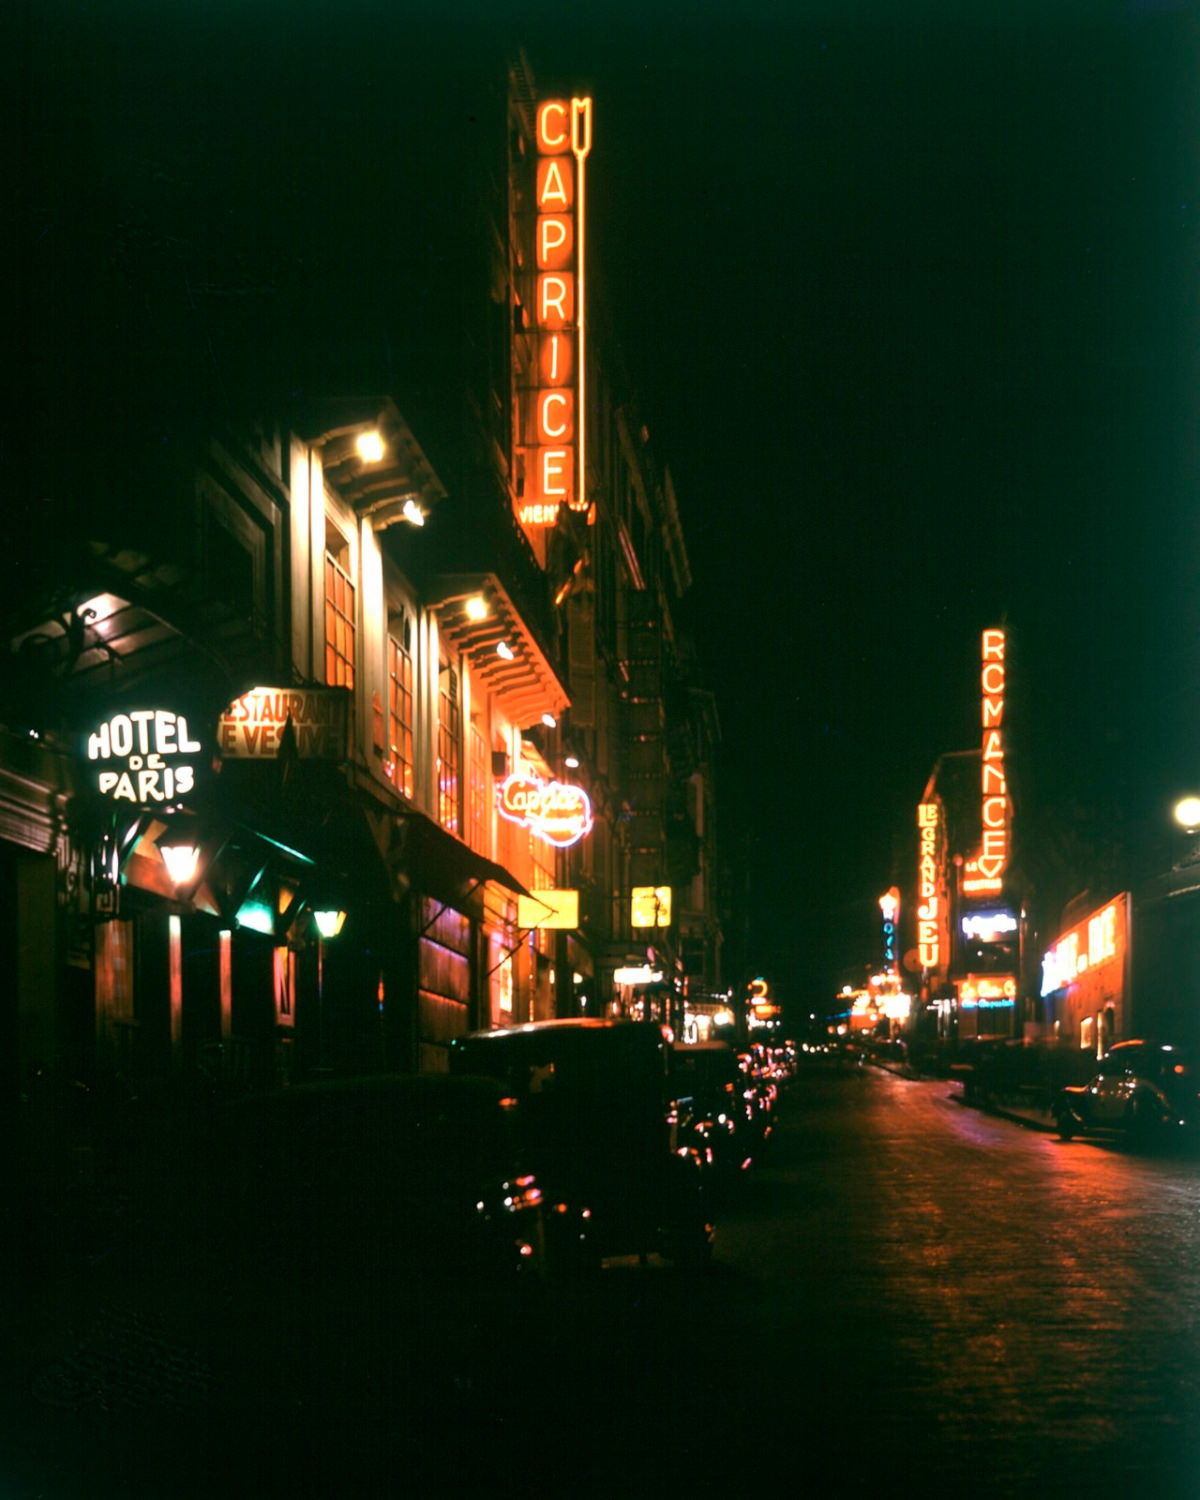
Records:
x=556, y=462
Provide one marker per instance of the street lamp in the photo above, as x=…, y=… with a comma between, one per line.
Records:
x=328, y=922
x=1187, y=813
x=181, y=855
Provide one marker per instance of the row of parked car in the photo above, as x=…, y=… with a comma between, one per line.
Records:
x=357, y=1236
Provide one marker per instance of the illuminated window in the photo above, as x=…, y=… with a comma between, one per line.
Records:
x=339, y=619
x=449, y=740
x=400, y=710
x=477, y=791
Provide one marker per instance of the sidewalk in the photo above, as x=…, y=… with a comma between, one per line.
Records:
x=1030, y=1114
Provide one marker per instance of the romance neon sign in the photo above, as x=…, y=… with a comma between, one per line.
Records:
x=982, y=874
x=555, y=461
x=551, y=810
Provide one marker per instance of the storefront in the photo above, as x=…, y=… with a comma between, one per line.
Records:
x=1085, y=979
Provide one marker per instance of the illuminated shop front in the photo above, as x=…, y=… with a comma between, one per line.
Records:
x=1085, y=979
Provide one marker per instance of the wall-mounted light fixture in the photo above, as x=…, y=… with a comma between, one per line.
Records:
x=476, y=607
x=571, y=763
x=370, y=446
x=413, y=513
x=549, y=721
x=181, y=855
x=329, y=922
x=503, y=649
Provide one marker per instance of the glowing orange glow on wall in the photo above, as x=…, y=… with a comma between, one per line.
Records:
x=555, y=470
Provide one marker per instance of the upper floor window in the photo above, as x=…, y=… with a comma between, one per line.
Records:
x=477, y=790
x=400, y=707
x=449, y=751
x=339, y=617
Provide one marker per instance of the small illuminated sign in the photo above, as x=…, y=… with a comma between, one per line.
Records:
x=650, y=906
x=554, y=406
x=254, y=726
x=559, y=909
x=552, y=810
x=144, y=757
x=637, y=974
x=989, y=926
x=1098, y=940
x=889, y=905
x=990, y=991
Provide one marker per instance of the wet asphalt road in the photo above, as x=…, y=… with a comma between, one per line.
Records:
x=913, y=1294
x=907, y=1294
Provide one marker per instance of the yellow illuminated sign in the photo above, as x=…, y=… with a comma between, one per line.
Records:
x=650, y=906
x=548, y=909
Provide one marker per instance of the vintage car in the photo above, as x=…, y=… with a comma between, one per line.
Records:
x=1142, y=1088
x=601, y=1132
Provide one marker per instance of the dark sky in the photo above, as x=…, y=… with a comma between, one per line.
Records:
x=913, y=296
x=910, y=292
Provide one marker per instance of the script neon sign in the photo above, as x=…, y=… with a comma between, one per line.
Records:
x=556, y=467
x=984, y=871
x=551, y=810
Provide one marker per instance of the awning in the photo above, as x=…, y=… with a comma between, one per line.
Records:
x=425, y=856
x=397, y=485
x=505, y=654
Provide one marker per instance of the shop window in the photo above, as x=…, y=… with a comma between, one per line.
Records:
x=340, y=612
x=400, y=707
x=477, y=791
x=449, y=749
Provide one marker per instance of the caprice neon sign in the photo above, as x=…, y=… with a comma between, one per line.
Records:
x=983, y=873
x=557, y=468
x=551, y=810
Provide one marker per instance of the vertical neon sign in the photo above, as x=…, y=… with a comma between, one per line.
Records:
x=556, y=462
x=928, y=908
x=982, y=874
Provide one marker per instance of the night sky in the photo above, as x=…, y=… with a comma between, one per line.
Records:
x=910, y=292
x=913, y=301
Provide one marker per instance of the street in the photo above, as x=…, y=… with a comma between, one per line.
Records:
x=907, y=1292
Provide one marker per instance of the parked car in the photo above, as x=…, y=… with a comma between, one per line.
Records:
x=602, y=1135
x=1141, y=1088
x=355, y=1241
x=715, y=1115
